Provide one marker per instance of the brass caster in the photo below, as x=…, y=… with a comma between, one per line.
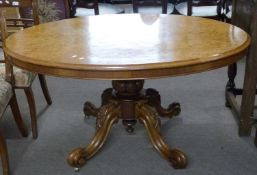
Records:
x=130, y=129
x=129, y=124
x=76, y=169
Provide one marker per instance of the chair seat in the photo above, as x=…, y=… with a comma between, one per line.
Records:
x=5, y=94
x=22, y=77
x=103, y=9
x=197, y=11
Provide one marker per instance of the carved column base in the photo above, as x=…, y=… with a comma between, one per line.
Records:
x=128, y=101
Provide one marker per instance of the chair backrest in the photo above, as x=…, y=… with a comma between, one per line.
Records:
x=52, y=10
x=11, y=25
x=206, y=3
x=4, y=34
x=141, y=3
x=27, y=17
x=28, y=6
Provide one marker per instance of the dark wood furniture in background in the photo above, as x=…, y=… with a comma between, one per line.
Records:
x=227, y=10
x=250, y=79
x=89, y=4
x=202, y=8
x=142, y=3
x=64, y=7
x=242, y=14
x=30, y=6
x=83, y=8
x=149, y=49
x=8, y=97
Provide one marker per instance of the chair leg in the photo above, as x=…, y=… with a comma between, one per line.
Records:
x=135, y=6
x=43, y=84
x=164, y=6
x=32, y=108
x=249, y=90
x=232, y=71
x=17, y=116
x=4, y=156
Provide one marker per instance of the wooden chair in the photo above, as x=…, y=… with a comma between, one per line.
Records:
x=247, y=20
x=84, y=8
x=250, y=79
x=202, y=8
x=148, y=4
x=8, y=97
x=23, y=79
x=50, y=10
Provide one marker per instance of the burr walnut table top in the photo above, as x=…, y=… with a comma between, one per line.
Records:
x=127, y=46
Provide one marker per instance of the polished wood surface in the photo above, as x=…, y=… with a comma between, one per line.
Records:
x=127, y=46
x=127, y=49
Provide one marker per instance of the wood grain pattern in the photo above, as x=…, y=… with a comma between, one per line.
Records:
x=127, y=46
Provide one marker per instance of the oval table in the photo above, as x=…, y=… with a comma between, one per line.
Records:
x=127, y=49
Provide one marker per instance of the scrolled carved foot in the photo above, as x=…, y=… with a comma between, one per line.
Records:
x=109, y=115
x=90, y=109
x=77, y=158
x=154, y=99
x=178, y=159
x=175, y=108
x=172, y=110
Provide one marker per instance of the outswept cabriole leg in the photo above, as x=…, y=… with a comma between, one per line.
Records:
x=78, y=157
x=91, y=110
x=154, y=99
x=176, y=157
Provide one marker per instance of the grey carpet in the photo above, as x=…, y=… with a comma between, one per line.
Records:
x=205, y=130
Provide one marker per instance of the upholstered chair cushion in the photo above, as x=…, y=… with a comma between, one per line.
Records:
x=197, y=11
x=103, y=9
x=22, y=77
x=51, y=10
x=5, y=94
